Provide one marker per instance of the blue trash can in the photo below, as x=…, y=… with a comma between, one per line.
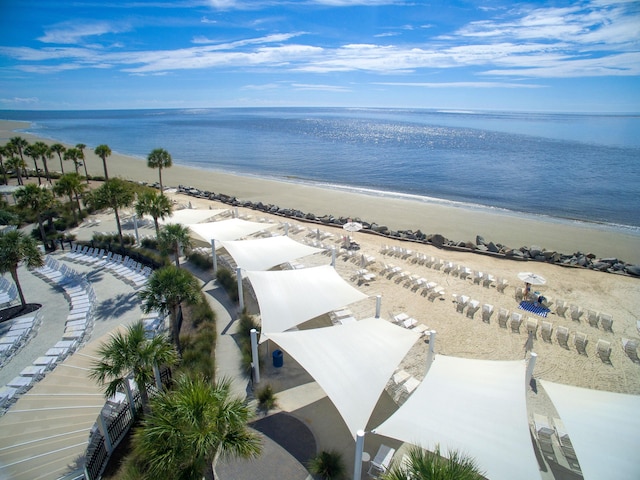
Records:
x=278, y=359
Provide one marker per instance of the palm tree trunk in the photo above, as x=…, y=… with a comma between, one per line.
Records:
x=115, y=210
x=176, y=311
x=14, y=276
x=46, y=170
x=104, y=163
x=73, y=210
x=177, y=252
x=86, y=174
x=42, y=232
x=160, y=177
x=155, y=221
x=19, y=176
x=35, y=163
x=61, y=167
x=4, y=171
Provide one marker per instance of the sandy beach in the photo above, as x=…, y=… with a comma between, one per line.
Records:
x=460, y=224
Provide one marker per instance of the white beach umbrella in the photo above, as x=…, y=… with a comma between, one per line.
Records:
x=531, y=278
x=352, y=227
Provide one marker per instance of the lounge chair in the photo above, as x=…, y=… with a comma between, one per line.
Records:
x=474, y=306
x=488, y=280
x=562, y=335
x=503, y=317
x=462, y=303
x=487, y=311
x=603, y=350
x=593, y=318
x=544, y=434
x=437, y=292
x=532, y=326
x=381, y=461
x=630, y=347
x=565, y=444
x=606, y=321
x=561, y=307
x=464, y=272
x=516, y=321
x=546, y=331
x=580, y=341
x=477, y=277
x=576, y=312
x=519, y=294
x=501, y=284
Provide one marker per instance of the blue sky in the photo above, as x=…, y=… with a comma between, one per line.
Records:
x=571, y=56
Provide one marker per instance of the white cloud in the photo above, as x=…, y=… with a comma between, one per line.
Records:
x=19, y=101
x=320, y=87
x=460, y=84
x=73, y=32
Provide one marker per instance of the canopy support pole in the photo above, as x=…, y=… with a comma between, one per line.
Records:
x=333, y=256
x=432, y=348
x=135, y=227
x=240, y=292
x=378, y=305
x=214, y=255
x=530, y=366
x=254, y=355
x=357, y=466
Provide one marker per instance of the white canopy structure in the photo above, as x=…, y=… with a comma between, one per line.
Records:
x=265, y=253
x=189, y=215
x=352, y=363
x=604, y=428
x=289, y=297
x=231, y=229
x=477, y=407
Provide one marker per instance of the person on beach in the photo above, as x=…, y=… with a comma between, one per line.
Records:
x=527, y=290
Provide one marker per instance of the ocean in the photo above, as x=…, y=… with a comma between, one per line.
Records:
x=566, y=167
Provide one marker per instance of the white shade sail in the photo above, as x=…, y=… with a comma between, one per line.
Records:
x=604, y=428
x=352, y=363
x=264, y=253
x=477, y=407
x=230, y=229
x=289, y=297
x=189, y=215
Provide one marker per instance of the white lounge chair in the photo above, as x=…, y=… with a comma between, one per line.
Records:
x=381, y=461
x=576, y=312
x=487, y=311
x=546, y=331
x=503, y=317
x=603, y=350
x=532, y=326
x=630, y=347
x=516, y=321
x=580, y=341
x=474, y=306
x=544, y=434
x=561, y=307
x=606, y=321
x=593, y=318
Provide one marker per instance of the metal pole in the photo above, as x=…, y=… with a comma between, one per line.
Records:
x=156, y=374
x=214, y=255
x=378, y=305
x=240, y=292
x=254, y=355
x=105, y=434
x=135, y=227
x=357, y=465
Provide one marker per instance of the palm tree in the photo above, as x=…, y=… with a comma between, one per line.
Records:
x=71, y=184
x=16, y=247
x=4, y=152
x=80, y=147
x=33, y=152
x=171, y=237
x=190, y=427
x=36, y=199
x=165, y=291
x=16, y=165
x=159, y=158
x=425, y=465
x=154, y=204
x=74, y=155
x=19, y=144
x=103, y=151
x=45, y=154
x=116, y=194
x=132, y=353
x=59, y=149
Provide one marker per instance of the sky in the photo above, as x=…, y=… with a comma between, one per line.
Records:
x=551, y=56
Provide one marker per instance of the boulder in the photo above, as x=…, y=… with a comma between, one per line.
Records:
x=482, y=248
x=610, y=261
x=438, y=240
x=602, y=266
x=492, y=247
x=534, y=251
x=480, y=240
x=633, y=270
x=514, y=253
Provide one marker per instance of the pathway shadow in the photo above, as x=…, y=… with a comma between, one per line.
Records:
x=290, y=433
x=117, y=306
x=18, y=311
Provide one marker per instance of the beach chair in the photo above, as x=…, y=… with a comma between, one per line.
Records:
x=561, y=307
x=603, y=350
x=488, y=280
x=503, y=317
x=487, y=311
x=437, y=265
x=477, y=277
x=592, y=318
x=575, y=312
x=565, y=444
x=532, y=326
x=465, y=272
x=448, y=267
x=501, y=284
x=462, y=303
x=474, y=306
x=580, y=341
x=437, y=292
x=516, y=321
x=381, y=461
x=544, y=434
x=606, y=321
x=630, y=347
x=546, y=331
x=562, y=336
x=519, y=294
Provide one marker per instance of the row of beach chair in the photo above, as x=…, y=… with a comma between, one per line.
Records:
x=8, y=292
x=15, y=333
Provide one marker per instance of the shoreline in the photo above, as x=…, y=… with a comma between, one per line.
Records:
x=460, y=224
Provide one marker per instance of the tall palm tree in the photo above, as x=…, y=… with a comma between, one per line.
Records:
x=16, y=165
x=36, y=199
x=171, y=237
x=154, y=204
x=74, y=155
x=425, y=465
x=80, y=147
x=15, y=248
x=103, y=151
x=34, y=152
x=132, y=353
x=4, y=153
x=190, y=427
x=45, y=154
x=165, y=291
x=19, y=144
x=116, y=194
x=59, y=149
x=71, y=184
x=159, y=158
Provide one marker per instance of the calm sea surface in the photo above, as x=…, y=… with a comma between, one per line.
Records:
x=572, y=167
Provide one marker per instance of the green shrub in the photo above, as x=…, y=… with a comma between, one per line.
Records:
x=328, y=465
x=228, y=282
x=267, y=399
x=202, y=261
x=150, y=243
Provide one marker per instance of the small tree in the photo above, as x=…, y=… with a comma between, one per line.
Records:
x=38, y=200
x=70, y=184
x=116, y=194
x=425, y=465
x=159, y=158
x=15, y=248
x=173, y=236
x=154, y=204
x=80, y=148
x=103, y=151
x=328, y=465
x=59, y=149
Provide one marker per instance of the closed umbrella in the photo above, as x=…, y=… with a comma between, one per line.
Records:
x=351, y=226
